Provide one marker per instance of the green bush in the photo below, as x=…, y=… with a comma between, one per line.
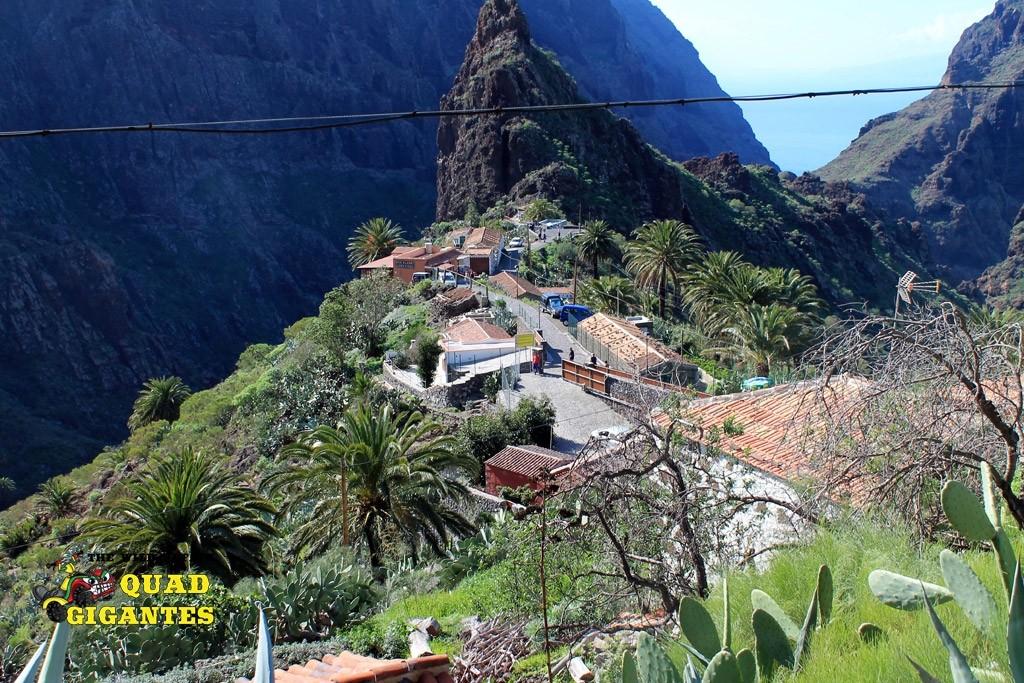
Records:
x=428, y=352
x=485, y=435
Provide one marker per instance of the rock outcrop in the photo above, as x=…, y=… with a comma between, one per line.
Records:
x=595, y=162
x=592, y=160
x=1002, y=285
x=124, y=257
x=952, y=160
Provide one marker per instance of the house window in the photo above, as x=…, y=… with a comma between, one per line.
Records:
x=405, y=265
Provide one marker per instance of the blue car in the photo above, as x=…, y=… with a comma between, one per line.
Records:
x=577, y=311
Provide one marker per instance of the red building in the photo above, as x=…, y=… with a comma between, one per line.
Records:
x=518, y=466
x=404, y=262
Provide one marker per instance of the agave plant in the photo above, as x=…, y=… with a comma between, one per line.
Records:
x=713, y=651
x=978, y=522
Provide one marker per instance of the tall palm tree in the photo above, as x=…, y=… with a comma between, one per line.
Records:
x=596, y=242
x=379, y=473
x=763, y=335
x=612, y=294
x=189, y=513
x=56, y=497
x=718, y=285
x=372, y=240
x=160, y=399
x=660, y=254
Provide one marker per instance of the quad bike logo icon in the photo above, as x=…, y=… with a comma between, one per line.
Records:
x=77, y=588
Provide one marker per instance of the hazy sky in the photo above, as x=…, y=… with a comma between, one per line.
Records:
x=768, y=46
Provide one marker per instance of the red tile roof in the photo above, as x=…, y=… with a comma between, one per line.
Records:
x=433, y=255
x=483, y=237
x=514, y=285
x=529, y=461
x=457, y=294
x=627, y=341
x=472, y=331
x=777, y=424
x=352, y=668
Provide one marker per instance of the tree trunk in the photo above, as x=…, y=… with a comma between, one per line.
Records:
x=661, y=298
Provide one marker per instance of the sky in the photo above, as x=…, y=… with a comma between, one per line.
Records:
x=770, y=46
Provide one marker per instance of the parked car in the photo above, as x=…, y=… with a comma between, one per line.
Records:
x=516, y=243
x=755, y=383
x=553, y=303
x=577, y=311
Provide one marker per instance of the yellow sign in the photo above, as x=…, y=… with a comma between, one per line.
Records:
x=525, y=340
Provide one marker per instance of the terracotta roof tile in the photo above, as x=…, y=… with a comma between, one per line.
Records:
x=348, y=667
x=776, y=424
x=472, y=331
x=529, y=461
x=483, y=237
x=457, y=294
x=627, y=341
x=514, y=285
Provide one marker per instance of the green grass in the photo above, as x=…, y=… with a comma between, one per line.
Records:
x=852, y=551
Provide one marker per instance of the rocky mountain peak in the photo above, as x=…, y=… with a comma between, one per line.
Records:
x=500, y=19
x=980, y=44
x=593, y=162
x=950, y=160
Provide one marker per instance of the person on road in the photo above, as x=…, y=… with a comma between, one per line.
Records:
x=572, y=355
x=593, y=360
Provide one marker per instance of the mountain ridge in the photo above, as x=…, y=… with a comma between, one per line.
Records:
x=948, y=160
x=597, y=161
x=124, y=257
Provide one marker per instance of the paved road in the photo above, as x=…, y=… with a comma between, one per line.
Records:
x=577, y=413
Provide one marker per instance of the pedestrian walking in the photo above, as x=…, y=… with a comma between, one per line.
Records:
x=572, y=355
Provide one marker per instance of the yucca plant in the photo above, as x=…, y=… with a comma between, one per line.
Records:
x=981, y=523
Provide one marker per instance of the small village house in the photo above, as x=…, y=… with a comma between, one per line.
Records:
x=471, y=341
x=405, y=261
x=515, y=286
x=523, y=466
x=481, y=251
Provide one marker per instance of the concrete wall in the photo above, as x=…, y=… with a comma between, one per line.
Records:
x=454, y=395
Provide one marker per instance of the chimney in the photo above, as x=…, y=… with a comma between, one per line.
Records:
x=429, y=246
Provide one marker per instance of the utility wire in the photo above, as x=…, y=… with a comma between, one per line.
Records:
x=296, y=124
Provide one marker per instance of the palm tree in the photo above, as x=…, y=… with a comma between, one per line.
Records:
x=378, y=474
x=56, y=497
x=763, y=335
x=660, y=255
x=612, y=294
x=189, y=513
x=372, y=240
x=596, y=242
x=160, y=399
x=718, y=285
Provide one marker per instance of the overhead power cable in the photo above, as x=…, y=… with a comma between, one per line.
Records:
x=296, y=124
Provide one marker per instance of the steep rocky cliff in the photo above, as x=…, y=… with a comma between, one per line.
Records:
x=124, y=257
x=952, y=160
x=1002, y=285
x=596, y=162
x=587, y=159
